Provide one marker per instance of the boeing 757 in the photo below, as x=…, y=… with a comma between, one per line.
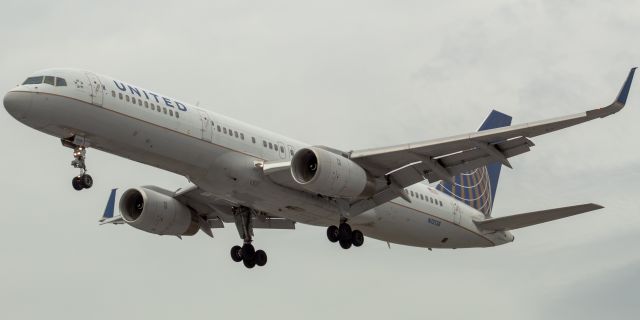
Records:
x=432, y=194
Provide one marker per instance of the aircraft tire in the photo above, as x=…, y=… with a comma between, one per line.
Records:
x=249, y=262
x=75, y=182
x=260, y=258
x=357, y=238
x=86, y=181
x=236, y=253
x=345, y=231
x=345, y=243
x=333, y=234
x=248, y=251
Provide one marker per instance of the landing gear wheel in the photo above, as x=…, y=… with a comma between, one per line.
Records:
x=249, y=262
x=86, y=181
x=345, y=231
x=75, y=182
x=357, y=238
x=248, y=252
x=345, y=243
x=236, y=253
x=260, y=258
x=333, y=234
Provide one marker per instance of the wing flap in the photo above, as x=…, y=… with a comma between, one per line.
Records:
x=216, y=212
x=532, y=218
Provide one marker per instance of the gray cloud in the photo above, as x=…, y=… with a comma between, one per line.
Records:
x=348, y=75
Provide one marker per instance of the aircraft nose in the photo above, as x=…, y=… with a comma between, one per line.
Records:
x=17, y=104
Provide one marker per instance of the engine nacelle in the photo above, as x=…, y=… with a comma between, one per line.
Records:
x=156, y=213
x=324, y=172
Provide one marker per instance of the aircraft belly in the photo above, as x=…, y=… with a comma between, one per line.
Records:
x=402, y=225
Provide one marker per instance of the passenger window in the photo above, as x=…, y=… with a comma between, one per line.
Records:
x=431, y=200
x=33, y=80
x=218, y=128
x=165, y=110
x=153, y=107
x=140, y=102
x=49, y=80
x=421, y=197
x=231, y=132
x=291, y=151
x=120, y=95
x=236, y=134
x=282, y=149
x=146, y=104
x=158, y=109
x=177, y=114
x=127, y=98
x=264, y=143
x=224, y=130
x=113, y=93
x=133, y=100
x=242, y=136
x=270, y=145
x=171, y=113
x=440, y=203
x=253, y=139
x=63, y=83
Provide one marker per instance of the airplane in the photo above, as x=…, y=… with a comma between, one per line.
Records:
x=431, y=194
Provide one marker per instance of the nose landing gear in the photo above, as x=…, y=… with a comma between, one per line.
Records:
x=83, y=180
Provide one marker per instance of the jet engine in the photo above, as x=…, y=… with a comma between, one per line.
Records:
x=156, y=213
x=330, y=174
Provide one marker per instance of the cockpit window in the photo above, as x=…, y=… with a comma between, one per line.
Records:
x=61, y=82
x=34, y=80
x=49, y=80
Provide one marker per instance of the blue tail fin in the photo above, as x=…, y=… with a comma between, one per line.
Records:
x=477, y=188
x=111, y=203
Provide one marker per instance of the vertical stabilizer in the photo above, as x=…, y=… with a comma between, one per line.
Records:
x=477, y=188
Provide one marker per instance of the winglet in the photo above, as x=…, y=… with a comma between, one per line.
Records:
x=624, y=91
x=111, y=203
x=618, y=104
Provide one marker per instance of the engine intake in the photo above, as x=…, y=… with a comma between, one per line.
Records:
x=156, y=213
x=324, y=172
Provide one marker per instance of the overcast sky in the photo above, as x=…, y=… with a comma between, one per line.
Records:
x=347, y=75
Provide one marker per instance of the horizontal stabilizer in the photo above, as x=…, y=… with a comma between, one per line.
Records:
x=533, y=218
x=108, y=216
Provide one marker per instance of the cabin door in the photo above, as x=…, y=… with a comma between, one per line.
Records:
x=207, y=130
x=457, y=213
x=97, y=89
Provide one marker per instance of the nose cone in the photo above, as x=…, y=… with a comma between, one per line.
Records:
x=17, y=104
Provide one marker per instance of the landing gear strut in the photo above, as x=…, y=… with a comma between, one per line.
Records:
x=83, y=180
x=247, y=253
x=345, y=236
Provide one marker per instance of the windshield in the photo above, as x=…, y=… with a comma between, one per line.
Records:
x=34, y=80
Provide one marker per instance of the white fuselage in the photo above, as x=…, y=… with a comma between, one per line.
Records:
x=220, y=154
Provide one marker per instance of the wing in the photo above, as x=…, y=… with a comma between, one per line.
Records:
x=532, y=218
x=442, y=159
x=210, y=211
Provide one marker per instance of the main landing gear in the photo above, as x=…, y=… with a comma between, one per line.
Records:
x=345, y=236
x=249, y=256
x=83, y=180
